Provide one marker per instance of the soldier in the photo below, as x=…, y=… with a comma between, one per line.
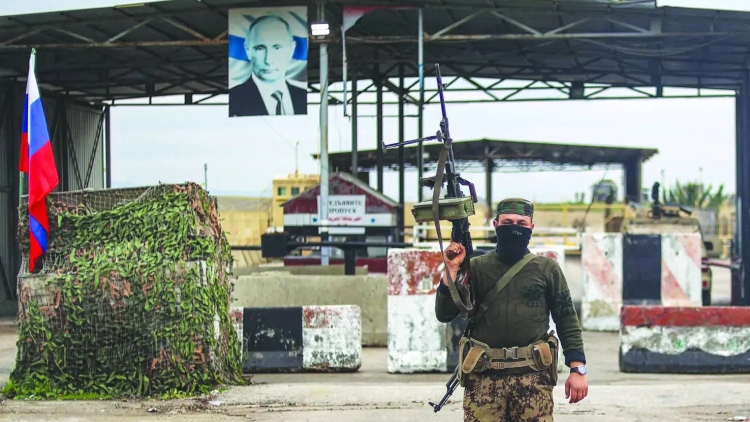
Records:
x=508, y=360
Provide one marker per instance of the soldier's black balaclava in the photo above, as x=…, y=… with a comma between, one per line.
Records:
x=512, y=239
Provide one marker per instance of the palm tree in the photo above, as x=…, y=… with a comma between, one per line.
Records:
x=696, y=195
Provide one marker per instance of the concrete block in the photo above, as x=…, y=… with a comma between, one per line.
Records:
x=639, y=270
x=298, y=270
x=601, y=299
x=681, y=283
x=416, y=340
x=281, y=290
x=302, y=339
x=694, y=340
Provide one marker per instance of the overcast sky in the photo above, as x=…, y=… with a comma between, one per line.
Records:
x=171, y=144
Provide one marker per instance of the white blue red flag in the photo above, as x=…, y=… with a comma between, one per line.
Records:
x=38, y=162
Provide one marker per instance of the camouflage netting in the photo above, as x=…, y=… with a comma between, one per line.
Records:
x=132, y=300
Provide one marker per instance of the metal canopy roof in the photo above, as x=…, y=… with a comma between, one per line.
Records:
x=520, y=155
x=179, y=47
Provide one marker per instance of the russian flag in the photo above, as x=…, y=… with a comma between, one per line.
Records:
x=38, y=162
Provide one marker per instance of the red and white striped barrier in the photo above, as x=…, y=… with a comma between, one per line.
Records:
x=601, y=299
x=709, y=340
x=637, y=269
x=681, y=270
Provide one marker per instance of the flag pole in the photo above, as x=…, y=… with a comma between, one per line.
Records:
x=21, y=176
x=21, y=186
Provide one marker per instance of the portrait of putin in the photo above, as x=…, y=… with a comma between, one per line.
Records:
x=270, y=46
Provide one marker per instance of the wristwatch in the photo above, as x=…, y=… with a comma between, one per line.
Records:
x=581, y=369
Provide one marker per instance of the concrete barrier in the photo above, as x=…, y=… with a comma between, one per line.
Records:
x=301, y=339
x=705, y=340
x=282, y=289
x=601, y=298
x=298, y=270
x=417, y=342
x=637, y=269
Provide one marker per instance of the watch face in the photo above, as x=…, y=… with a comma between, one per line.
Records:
x=581, y=369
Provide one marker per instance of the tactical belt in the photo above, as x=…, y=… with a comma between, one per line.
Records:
x=478, y=357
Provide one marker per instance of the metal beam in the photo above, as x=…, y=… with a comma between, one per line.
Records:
x=392, y=39
x=127, y=31
x=122, y=44
x=395, y=102
x=456, y=24
x=186, y=29
x=396, y=39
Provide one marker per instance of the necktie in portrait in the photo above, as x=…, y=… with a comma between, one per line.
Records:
x=279, y=104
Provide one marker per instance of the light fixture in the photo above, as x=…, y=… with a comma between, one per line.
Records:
x=320, y=30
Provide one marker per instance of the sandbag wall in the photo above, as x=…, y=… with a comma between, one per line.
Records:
x=132, y=298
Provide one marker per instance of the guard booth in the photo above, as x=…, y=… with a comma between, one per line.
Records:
x=356, y=213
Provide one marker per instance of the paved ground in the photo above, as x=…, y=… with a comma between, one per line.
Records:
x=373, y=395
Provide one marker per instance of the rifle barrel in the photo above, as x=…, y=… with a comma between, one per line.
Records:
x=412, y=141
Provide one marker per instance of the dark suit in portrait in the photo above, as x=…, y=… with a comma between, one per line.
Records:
x=246, y=100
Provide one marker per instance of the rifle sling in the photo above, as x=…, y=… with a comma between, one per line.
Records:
x=500, y=285
x=463, y=307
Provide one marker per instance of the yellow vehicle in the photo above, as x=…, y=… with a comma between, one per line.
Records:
x=662, y=218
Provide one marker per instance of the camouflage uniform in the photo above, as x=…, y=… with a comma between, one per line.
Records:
x=517, y=398
x=517, y=317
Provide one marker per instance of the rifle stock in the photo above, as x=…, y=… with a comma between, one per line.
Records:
x=450, y=387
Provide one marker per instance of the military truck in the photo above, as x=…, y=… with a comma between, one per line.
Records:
x=663, y=218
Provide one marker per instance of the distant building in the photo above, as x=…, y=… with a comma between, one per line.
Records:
x=286, y=187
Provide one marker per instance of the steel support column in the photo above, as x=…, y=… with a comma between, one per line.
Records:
x=379, y=130
x=12, y=150
x=489, y=165
x=633, y=180
x=737, y=246
x=743, y=190
x=401, y=164
x=355, y=151
x=420, y=115
x=108, y=145
x=325, y=252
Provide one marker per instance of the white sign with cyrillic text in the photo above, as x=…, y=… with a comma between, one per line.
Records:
x=345, y=210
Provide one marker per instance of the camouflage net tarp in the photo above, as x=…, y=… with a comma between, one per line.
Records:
x=132, y=299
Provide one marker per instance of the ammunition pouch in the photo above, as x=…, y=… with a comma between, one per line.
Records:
x=477, y=357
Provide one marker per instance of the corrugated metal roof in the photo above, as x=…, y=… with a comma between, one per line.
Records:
x=475, y=152
x=346, y=177
x=622, y=42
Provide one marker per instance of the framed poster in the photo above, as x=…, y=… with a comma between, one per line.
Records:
x=268, y=61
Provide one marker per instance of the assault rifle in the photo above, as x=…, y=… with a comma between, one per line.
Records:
x=450, y=387
x=454, y=207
